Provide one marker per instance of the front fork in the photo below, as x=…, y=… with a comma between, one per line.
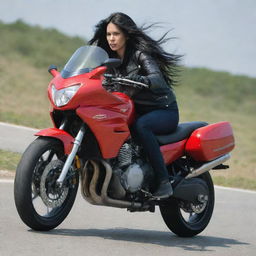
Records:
x=71, y=156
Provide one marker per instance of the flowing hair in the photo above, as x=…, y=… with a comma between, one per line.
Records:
x=138, y=40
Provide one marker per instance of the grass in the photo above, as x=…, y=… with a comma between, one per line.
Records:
x=26, y=52
x=9, y=160
x=203, y=95
x=235, y=182
x=218, y=96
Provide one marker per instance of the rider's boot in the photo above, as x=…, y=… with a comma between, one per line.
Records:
x=164, y=190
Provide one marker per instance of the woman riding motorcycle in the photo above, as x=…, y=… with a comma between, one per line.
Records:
x=143, y=60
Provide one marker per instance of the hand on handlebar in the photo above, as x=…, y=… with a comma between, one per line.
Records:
x=136, y=78
x=130, y=80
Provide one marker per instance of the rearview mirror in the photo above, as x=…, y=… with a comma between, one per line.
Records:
x=53, y=70
x=112, y=63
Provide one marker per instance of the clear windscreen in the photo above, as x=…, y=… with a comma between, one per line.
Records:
x=85, y=59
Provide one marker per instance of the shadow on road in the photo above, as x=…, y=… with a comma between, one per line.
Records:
x=197, y=243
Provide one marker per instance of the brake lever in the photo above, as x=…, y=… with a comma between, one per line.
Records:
x=125, y=80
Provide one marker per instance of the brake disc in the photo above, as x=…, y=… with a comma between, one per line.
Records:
x=200, y=207
x=52, y=195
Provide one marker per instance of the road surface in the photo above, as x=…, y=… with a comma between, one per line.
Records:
x=15, y=138
x=97, y=230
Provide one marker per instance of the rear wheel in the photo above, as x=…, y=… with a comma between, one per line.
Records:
x=187, y=219
x=40, y=202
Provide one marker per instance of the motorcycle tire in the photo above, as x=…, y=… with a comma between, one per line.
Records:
x=173, y=214
x=40, y=204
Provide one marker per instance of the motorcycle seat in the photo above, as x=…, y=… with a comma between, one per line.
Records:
x=182, y=132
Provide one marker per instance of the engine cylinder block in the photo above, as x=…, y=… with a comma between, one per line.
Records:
x=125, y=155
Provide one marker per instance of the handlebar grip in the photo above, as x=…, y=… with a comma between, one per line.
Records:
x=109, y=76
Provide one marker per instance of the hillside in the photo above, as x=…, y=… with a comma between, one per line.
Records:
x=218, y=96
x=26, y=52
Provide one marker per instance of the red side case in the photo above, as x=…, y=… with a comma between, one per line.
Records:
x=210, y=142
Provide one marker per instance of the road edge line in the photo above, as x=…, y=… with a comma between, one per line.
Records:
x=235, y=189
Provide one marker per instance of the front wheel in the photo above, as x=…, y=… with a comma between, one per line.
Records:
x=187, y=220
x=40, y=202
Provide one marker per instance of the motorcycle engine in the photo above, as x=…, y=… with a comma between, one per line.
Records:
x=130, y=172
x=132, y=175
x=135, y=171
x=132, y=178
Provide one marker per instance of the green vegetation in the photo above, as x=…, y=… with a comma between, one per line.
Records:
x=26, y=52
x=9, y=160
x=36, y=46
x=219, y=96
x=235, y=182
x=205, y=95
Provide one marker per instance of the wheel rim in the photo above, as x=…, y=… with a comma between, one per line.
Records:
x=47, y=198
x=192, y=214
x=51, y=194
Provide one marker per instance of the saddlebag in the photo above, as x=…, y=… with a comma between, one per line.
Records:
x=210, y=142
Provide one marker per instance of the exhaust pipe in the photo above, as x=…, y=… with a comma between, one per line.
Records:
x=114, y=202
x=89, y=187
x=85, y=182
x=208, y=166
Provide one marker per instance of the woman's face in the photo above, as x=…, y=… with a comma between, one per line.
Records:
x=116, y=39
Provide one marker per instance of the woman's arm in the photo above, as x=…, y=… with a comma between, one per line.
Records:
x=150, y=72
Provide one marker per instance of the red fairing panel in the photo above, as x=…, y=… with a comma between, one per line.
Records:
x=109, y=125
x=210, y=142
x=65, y=137
x=171, y=152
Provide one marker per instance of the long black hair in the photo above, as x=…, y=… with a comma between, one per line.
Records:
x=138, y=40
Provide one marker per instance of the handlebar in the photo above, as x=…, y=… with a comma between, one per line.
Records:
x=125, y=81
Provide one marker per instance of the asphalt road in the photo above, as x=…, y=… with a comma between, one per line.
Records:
x=15, y=138
x=97, y=230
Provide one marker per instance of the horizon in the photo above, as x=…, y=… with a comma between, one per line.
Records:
x=210, y=34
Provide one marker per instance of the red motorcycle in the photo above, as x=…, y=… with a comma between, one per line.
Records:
x=91, y=141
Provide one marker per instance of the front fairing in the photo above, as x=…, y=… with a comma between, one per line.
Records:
x=108, y=115
x=91, y=92
x=85, y=68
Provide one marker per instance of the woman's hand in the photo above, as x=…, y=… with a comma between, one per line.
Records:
x=138, y=78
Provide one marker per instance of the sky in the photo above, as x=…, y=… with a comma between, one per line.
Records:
x=216, y=34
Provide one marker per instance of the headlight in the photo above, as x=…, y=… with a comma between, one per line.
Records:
x=62, y=97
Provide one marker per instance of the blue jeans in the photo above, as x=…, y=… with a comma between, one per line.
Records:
x=161, y=121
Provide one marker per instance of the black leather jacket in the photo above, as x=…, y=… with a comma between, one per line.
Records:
x=159, y=95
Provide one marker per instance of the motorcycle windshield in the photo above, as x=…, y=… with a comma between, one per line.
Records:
x=84, y=60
